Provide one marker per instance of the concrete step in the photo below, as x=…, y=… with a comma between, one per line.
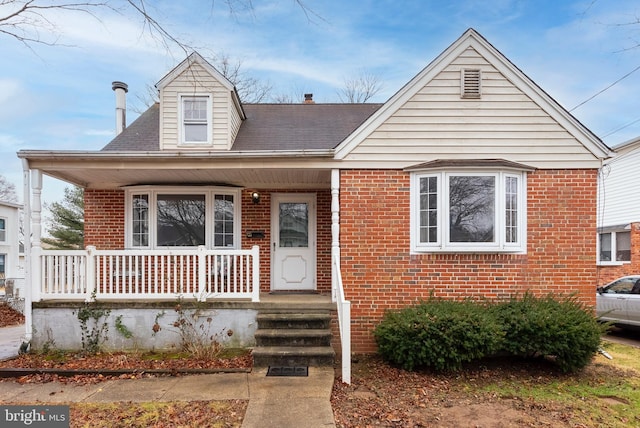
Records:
x=293, y=337
x=295, y=320
x=314, y=356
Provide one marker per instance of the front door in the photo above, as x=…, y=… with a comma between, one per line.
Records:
x=293, y=246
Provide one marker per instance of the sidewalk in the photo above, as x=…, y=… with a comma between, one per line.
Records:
x=274, y=402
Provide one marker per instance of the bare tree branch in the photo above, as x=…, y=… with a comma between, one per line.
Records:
x=361, y=88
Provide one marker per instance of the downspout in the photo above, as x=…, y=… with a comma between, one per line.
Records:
x=28, y=316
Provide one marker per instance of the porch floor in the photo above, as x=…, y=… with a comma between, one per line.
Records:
x=296, y=300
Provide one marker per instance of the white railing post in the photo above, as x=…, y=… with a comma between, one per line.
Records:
x=201, y=286
x=255, y=275
x=345, y=335
x=91, y=280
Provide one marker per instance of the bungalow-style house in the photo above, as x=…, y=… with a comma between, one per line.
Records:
x=619, y=214
x=470, y=181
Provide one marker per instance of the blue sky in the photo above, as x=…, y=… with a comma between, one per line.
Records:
x=59, y=98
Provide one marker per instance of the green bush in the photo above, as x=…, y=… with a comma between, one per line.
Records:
x=563, y=330
x=445, y=334
x=439, y=334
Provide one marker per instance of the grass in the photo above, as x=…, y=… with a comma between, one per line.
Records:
x=606, y=393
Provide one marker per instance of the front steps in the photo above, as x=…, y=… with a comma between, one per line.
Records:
x=293, y=338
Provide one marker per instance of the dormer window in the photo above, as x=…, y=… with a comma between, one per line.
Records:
x=196, y=119
x=471, y=86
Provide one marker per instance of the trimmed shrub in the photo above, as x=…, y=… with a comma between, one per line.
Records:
x=439, y=334
x=563, y=330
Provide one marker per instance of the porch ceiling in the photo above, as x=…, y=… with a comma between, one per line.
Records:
x=253, y=178
x=251, y=173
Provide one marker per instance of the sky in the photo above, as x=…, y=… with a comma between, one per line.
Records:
x=59, y=97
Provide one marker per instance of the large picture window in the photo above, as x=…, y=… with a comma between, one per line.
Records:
x=184, y=217
x=468, y=211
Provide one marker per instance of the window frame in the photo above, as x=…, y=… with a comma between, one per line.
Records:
x=209, y=194
x=614, y=248
x=183, y=121
x=443, y=242
x=3, y=230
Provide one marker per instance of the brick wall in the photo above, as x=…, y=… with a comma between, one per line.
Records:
x=104, y=219
x=607, y=274
x=379, y=272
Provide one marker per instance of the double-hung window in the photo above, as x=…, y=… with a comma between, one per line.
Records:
x=614, y=246
x=196, y=119
x=183, y=217
x=3, y=230
x=468, y=211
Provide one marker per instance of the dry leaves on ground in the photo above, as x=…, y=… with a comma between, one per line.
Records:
x=384, y=396
x=9, y=316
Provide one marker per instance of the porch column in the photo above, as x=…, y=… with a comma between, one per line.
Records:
x=36, y=233
x=28, y=275
x=335, y=231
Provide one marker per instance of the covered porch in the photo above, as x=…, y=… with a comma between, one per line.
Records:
x=114, y=273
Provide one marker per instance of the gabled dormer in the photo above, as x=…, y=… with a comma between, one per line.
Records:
x=199, y=108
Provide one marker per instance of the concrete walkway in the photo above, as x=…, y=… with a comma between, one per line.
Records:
x=274, y=402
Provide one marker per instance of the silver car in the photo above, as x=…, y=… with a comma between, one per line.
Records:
x=619, y=301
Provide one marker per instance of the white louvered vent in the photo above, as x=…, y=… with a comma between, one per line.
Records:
x=471, y=83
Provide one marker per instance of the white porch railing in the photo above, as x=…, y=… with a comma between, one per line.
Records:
x=147, y=274
x=344, y=317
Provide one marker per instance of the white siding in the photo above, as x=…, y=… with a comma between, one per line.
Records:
x=436, y=123
x=196, y=80
x=619, y=190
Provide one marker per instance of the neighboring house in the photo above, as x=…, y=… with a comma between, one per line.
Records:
x=11, y=249
x=618, y=252
x=470, y=181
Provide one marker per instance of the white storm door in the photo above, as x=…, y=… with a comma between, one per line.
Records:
x=293, y=246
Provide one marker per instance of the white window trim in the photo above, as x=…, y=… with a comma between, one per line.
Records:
x=209, y=192
x=4, y=236
x=181, y=130
x=614, y=245
x=442, y=245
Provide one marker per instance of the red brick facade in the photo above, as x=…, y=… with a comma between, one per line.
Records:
x=379, y=272
x=607, y=274
x=104, y=219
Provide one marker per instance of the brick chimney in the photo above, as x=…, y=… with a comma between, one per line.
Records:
x=120, y=89
x=308, y=99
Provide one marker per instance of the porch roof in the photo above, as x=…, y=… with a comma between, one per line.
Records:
x=278, y=146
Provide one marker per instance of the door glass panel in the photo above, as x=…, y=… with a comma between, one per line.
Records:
x=294, y=224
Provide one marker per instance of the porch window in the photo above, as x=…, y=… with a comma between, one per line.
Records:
x=160, y=218
x=196, y=119
x=3, y=230
x=614, y=247
x=465, y=211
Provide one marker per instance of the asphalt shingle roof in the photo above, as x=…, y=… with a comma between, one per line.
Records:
x=267, y=127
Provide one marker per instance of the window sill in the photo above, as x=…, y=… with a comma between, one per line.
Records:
x=612, y=263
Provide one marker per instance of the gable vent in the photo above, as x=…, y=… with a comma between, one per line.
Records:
x=470, y=83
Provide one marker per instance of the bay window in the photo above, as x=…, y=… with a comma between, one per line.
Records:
x=468, y=211
x=182, y=217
